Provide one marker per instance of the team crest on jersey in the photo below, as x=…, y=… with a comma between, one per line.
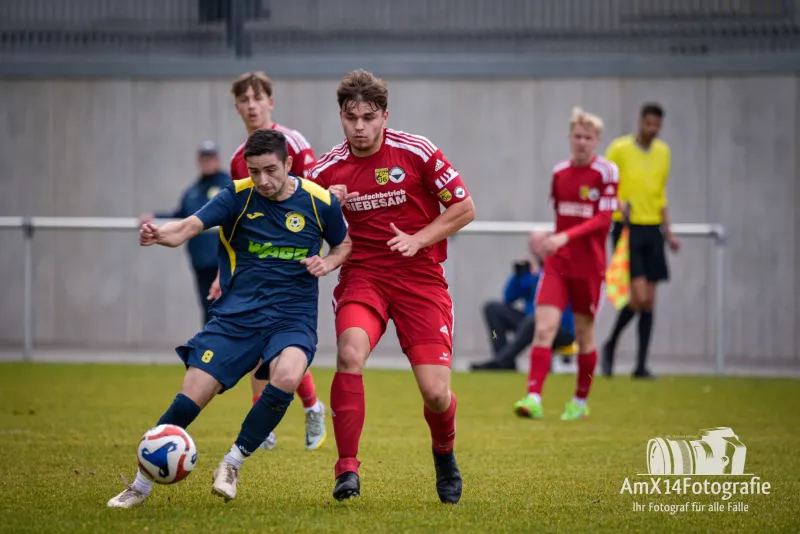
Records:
x=397, y=174
x=382, y=176
x=587, y=193
x=445, y=195
x=212, y=192
x=295, y=221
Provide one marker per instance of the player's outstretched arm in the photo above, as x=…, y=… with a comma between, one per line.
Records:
x=172, y=234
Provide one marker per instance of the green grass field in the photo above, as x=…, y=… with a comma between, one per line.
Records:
x=68, y=431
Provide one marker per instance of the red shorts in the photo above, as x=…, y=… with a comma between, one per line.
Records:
x=416, y=299
x=583, y=294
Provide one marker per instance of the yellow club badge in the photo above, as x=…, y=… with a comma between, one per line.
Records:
x=382, y=176
x=295, y=221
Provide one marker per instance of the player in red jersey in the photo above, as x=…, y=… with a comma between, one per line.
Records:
x=393, y=185
x=254, y=103
x=584, y=195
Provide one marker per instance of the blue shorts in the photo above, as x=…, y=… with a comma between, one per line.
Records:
x=228, y=352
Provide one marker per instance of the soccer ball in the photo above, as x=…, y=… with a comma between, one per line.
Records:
x=167, y=454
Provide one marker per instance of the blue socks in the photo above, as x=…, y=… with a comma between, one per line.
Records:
x=262, y=419
x=181, y=412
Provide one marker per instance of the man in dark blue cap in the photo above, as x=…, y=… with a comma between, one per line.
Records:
x=203, y=248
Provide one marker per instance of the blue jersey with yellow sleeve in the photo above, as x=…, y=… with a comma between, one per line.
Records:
x=262, y=243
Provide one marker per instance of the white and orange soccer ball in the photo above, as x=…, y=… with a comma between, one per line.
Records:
x=167, y=454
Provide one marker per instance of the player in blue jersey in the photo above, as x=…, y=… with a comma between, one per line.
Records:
x=271, y=229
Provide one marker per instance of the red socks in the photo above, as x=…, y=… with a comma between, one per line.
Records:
x=307, y=391
x=586, y=365
x=540, y=366
x=348, y=412
x=443, y=427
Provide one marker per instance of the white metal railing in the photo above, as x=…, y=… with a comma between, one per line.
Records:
x=29, y=225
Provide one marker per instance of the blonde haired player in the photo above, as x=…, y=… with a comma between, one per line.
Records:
x=584, y=195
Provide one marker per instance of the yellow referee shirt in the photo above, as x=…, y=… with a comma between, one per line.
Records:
x=643, y=176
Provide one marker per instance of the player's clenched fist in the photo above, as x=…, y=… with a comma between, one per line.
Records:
x=341, y=194
x=316, y=265
x=148, y=234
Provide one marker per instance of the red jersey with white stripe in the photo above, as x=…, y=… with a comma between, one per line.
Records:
x=406, y=182
x=579, y=193
x=302, y=155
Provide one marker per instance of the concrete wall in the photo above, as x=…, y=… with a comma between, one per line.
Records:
x=118, y=148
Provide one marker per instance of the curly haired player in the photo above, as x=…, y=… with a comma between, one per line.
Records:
x=392, y=185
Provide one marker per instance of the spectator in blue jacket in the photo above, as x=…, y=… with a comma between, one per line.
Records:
x=203, y=248
x=504, y=318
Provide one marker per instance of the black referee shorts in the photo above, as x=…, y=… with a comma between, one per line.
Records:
x=648, y=251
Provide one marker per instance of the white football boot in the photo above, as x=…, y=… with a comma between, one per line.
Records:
x=270, y=443
x=129, y=498
x=315, y=428
x=226, y=476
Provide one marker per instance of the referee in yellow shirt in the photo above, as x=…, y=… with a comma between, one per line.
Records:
x=644, y=165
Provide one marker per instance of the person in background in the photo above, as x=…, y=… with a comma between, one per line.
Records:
x=203, y=248
x=253, y=99
x=644, y=163
x=505, y=318
x=583, y=195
